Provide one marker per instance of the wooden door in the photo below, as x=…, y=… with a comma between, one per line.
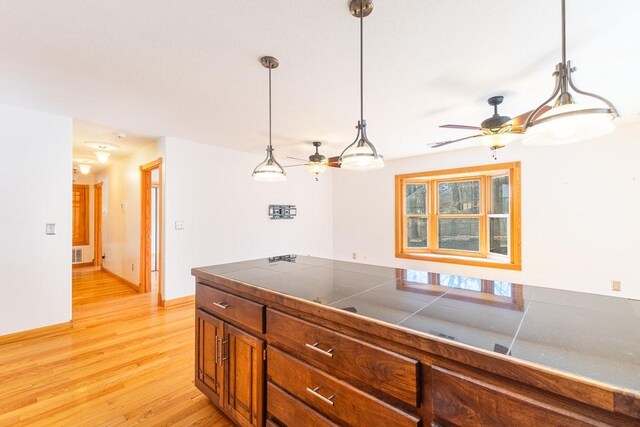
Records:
x=209, y=365
x=245, y=388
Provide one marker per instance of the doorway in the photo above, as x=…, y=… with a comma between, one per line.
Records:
x=151, y=228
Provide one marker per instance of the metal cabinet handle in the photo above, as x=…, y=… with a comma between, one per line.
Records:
x=314, y=391
x=222, y=305
x=314, y=346
x=222, y=359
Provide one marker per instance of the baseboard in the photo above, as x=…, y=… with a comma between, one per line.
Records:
x=82, y=264
x=132, y=285
x=36, y=333
x=189, y=299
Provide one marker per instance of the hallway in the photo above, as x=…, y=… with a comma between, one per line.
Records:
x=124, y=362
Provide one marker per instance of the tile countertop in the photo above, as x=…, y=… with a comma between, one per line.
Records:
x=593, y=336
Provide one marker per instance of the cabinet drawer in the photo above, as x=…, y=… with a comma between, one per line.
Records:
x=291, y=412
x=331, y=396
x=384, y=370
x=229, y=307
x=460, y=400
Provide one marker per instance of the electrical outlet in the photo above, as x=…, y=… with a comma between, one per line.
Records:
x=353, y=255
x=616, y=285
x=131, y=267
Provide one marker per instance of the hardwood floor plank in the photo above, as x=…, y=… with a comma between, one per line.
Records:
x=125, y=361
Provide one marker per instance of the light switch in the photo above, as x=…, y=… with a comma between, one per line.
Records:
x=50, y=229
x=179, y=225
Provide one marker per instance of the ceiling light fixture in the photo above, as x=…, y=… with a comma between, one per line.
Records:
x=317, y=162
x=269, y=170
x=567, y=122
x=103, y=156
x=85, y=168
x=361, y=154
x=102, y=146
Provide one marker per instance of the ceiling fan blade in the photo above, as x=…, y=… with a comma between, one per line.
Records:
x=518, y=122
x=460, y=127
x=296, y=158
x=293, y=166
x=440, y=144
x=333, y=162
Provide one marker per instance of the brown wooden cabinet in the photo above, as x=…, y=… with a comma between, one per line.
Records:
x=230, y=369
x=327, y=367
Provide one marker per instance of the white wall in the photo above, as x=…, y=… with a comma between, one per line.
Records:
x=35, y=185
x=225, y=212
x=580, y=213
x=87, y=250
x=121, y=212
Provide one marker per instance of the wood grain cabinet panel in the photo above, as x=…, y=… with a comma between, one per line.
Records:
x=244, y=358
x=386, y=371
x=460, y=400
x=330, y=396
x=290, y=412
x=232, y=308
x=209, y=334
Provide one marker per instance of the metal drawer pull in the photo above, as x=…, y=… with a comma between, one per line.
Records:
x=314, y=391
x=222, y=305
x=315, y=347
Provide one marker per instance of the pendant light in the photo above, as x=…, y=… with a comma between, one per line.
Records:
x=361, y=154
x=567, y=121
x=269, y=170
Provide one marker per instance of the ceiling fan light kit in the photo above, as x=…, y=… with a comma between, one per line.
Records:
x=361, y=154
x=269, y=170
x=317, y=162
x=567, y=121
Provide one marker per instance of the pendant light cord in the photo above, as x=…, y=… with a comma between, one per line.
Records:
x=270, y=109
x=361, y=60
x=564, y=34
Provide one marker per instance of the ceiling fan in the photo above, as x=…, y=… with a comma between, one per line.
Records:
x=497, y=131
x=317, y=163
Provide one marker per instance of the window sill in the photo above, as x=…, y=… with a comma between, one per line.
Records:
x=473, y=261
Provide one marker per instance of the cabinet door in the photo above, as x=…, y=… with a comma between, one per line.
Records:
x=209, y=367
x=244, y=389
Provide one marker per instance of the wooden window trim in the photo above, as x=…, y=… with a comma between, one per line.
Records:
x=85, y=239
x=483, y=259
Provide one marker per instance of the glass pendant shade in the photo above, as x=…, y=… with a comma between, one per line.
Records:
x=569, y=123
x=499, y=139
x=84, y=168
x=318, y=167
x=269, y=170
x=103, y=156
x=361, y=157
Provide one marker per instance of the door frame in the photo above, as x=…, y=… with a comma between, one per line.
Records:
x=97, y=224
x=145, y=227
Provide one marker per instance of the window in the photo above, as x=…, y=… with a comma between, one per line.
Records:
x=80, y=210
x=463, y=216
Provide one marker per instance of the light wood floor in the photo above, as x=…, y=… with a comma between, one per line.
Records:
x=125, y=362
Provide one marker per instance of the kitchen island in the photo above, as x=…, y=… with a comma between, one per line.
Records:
x=297, y=340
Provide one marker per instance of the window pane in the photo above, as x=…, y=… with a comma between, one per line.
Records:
x=416, y=199
x=500, y=188
x=417, y=232
x=459, y=234
x=498, y=236
x=459, y=197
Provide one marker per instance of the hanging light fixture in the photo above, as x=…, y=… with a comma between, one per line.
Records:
x=103, y=156
x=361, y=154
x=568, y=122
x=317, y=162
x=269, y=170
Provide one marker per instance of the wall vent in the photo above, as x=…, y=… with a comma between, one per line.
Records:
x=76, y=256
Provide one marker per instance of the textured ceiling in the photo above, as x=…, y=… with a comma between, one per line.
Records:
x=190, y=69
